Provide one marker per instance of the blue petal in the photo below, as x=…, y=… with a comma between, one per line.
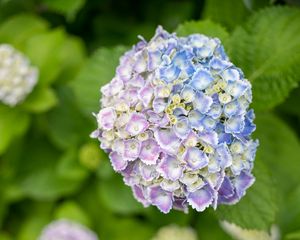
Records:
x=232, y=108
x=169, y=73
x=202, y=102
x=237, y=88
x=201, y=79
x=188, y=93
x=208, y=123
x=234, y=124
x=182, y=128
x=195, y=119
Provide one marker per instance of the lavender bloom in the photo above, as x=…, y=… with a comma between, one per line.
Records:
x=176, y=124
x=17, y=76
x=66, y=230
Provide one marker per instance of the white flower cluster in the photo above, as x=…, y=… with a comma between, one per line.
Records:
x=174, y=232
x=17, y=76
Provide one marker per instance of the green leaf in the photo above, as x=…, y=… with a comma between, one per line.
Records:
x=17, y=29
x=206, y=27
x=118, y=198
x=43, y=50
x=47, y=175
x=65, y=124
x=71, y=210
x=229, y=13
x=279, y=149
x=69, y=8
x=268, y=51
x=293, y=235
x=73, y=57
x=40, y=100
x=98, y=71
x=13, y=123
x=258, y=208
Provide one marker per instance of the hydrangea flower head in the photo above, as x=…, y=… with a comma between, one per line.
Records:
x=176, y=124
x=67, y=230
x=17, y=76
x=175, y=232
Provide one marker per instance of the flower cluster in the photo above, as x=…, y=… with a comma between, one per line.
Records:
x=17, y=76
x=175, y=232
x=67, y=230
x=176, y=124
x=238, y=233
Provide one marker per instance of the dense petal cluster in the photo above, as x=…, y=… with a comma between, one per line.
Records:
x=67, y=230
x=175, y=232
x=176, y=124
x=17, y=76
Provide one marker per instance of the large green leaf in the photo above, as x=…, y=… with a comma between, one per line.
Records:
x=229, y=13
x=69, y=8
x=98, y=71
x=19, y=28
x=118, y=197
x=65, y=124
x=268, y=51
x=279, y=149
x=13, y=123
x=44, y=52
x=40, y=100
x=206, y=27
x=258, y=208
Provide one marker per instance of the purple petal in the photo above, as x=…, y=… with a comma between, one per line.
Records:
x=159, y=104
x=195, y=158
x=243, y=182
x=163, y=200
x=106, y=118
x=117, y=161
x=182, y=128
x=132, y=149
x=139, y=195
x=201, y=198
x=154, y=60
x=170, y=168
x=191, y=140
x=201, y=79
x=145, y=95
x=224, y=157
x=137, y=124
x=150, y=151
x=180, y=204
x=148, y=172
x=167, y=140
x=226, y=190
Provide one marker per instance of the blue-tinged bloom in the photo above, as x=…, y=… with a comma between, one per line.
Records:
x=17, y=76
x=67, y=230
x=176, y=124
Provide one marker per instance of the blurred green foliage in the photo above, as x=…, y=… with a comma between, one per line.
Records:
x=51, y=169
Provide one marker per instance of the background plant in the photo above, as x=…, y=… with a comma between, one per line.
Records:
x=50, y=168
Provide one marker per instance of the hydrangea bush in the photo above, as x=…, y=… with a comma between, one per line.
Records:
x=17, y=76
x=176, y=123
